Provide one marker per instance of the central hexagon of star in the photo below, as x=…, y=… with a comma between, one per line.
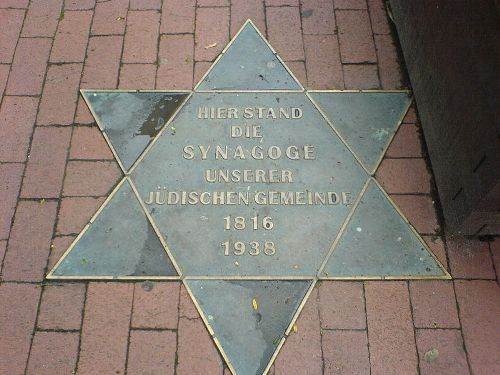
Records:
x=262, y=193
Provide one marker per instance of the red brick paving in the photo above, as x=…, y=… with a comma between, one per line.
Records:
x=289, y=45
x=346, y=352
x=390, y=328
x=110, y=17
x=29, y=246
x=479, y=307
x=152, y=352
x=342, y=305
x=42, y=18
x=58, y=248
x=10, y=182
x=102, y=63
x=90, y=178
x=61, y=307
x=45, y=168
x=156, y=305
x=355, y=37
x=16, y=325
x=176, y=71
x=451, y=358
x=29, y=65
x=434, y=304
x=88, y=143
x=105, y=328
x=12, y=21
x=211, y=37
x=323, y=67
x=53, y=353
x=17, y=116
x=196, y=352
x=137, y=76
x=79, y=4
x=72, y=36
x=361, y=76
x=241, y=10
x=470, y=259
x=141, y=40
x=59, y=95
x=417, y=178
x=146, y=44
x=21, y=4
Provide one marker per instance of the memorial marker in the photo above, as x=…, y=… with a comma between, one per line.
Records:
x=249, y=189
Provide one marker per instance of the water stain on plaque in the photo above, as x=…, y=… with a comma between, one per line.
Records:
x=132, y=119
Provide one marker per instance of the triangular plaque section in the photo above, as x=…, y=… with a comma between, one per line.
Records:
x=367, y=121
x=378, y=243
x=130, y=120
x=119, y=243
x=248, y=63
x=248, y=318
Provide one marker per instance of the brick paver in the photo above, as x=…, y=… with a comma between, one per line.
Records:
x=448, y=344
x=45, y=169
x=324, y=70
x=42, y=18
x=29, y=246
x=88, y=143
x=56, y=170
x=105, y=328
x=152, y=352
x=479, y=304
x=79, y=4
x=178, y=16
x=53, y=353
x=342, y=305
x=17, y=117
x=289, y=45
x=211, y=37
x=70, y=42
x=61, y=307
x=141, y=40
x=90, y=178
x=346, y=352
x=137, y=76
x=417, y=181
x=10, y=181
x=16, y=325
x=110, y=17
x=390, y=329
x=470, y=259
x=12, y=21
x=59, y=96
x=355, y=37
x=156, y=305
x=434, y=304
x=176, y=71
x=102, y=63
x=28, y=67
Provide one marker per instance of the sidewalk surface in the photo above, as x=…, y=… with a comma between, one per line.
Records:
x=56, y=170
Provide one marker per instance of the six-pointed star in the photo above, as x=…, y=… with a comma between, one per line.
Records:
x=250, y=189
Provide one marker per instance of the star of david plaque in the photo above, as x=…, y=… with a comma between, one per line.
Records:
x=249, y=189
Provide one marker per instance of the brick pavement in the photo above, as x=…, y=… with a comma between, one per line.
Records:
x=53, y=160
